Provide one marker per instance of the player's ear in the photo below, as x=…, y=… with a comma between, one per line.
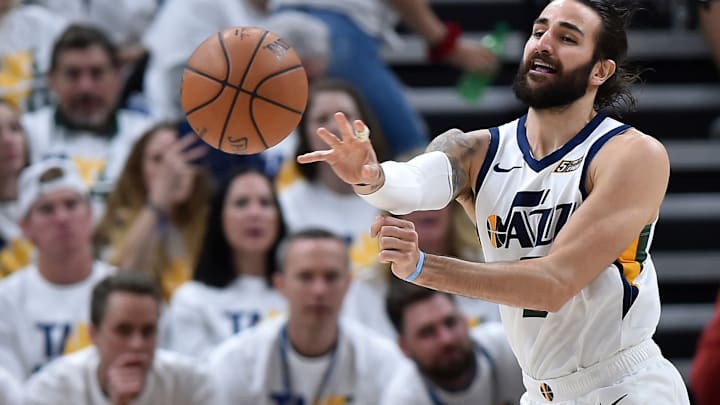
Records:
x=603, y=70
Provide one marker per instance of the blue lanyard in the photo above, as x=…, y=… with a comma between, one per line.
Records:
x=287, y=376
x=480, y=352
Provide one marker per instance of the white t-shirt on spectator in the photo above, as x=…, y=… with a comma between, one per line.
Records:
x=201, y=317
x=28, y=33
x=249, y=368
x=40, y=320
x=73, y=379
x=100, y=158
x=10, y=388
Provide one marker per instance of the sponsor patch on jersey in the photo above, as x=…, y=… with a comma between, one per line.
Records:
x=567, y=166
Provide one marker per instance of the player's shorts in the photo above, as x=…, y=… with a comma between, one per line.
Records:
x=636, y=376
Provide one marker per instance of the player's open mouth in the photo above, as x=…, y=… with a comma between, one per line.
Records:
x=542, y=67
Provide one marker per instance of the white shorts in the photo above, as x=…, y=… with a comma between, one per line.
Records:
x=636, y=376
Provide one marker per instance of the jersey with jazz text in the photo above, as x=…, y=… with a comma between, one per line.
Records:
x=522, y=203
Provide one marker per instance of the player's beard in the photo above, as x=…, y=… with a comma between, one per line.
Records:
x=449, y=372
x=560, y=90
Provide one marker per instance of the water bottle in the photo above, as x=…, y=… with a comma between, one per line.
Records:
x=472, y=85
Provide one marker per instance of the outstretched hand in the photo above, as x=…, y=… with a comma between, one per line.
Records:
x=351, y=154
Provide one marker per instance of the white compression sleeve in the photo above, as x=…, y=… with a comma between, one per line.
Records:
x=423, y=183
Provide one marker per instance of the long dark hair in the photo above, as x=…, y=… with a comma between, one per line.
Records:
x=310, y=171
x=215, y=265
x=615, y=94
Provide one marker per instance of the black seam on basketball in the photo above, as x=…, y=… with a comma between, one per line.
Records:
x=254, y=94
x=255, y=125
x=237, y=93
x=269, y=100
x=215, y=97
x=227, y=57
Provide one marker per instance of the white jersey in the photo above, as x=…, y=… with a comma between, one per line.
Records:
x=10, y=388
x=201, y=317
x=73, y=379
x=40, y=321
x=28, y=33
x=521, y=206
x=100, y=158
x=498, y=379
x=258, y=367
x=365, y=303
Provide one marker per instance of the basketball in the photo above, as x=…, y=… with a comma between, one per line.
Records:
x=243, y=90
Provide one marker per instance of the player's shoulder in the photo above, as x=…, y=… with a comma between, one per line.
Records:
x=456, y=140
x=633, y=145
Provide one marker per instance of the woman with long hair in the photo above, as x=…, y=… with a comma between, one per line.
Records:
x=156, y=214
x=231, y=288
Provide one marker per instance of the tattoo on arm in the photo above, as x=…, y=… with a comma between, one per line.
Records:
x=460, y=149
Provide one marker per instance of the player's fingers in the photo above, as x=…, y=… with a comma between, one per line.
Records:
x=397, y=222
x=346, y=130
x=328, y=137
x=360, y=131
x=394, y=243
x=312, y=157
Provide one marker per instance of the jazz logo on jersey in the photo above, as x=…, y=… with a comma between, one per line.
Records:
x=528, y=222
x=567, y=166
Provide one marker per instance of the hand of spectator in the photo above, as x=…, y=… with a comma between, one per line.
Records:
x=351, y=156
x=398, y=242
x=126, y=377
x=176, y=175
x=472, y=56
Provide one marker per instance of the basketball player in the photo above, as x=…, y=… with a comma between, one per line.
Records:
x=565, y=199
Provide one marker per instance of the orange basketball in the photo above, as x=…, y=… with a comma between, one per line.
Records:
x=243, y=90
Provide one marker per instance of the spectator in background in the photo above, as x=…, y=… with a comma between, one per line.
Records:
x=446, y=232
x=453, y=365
x=312, y=196
x=155, y=217
x=86, y=124
x=45, y=306
x=14, y=248
x=705, y=371
x=312, y=357
x=231, y=288
x=356, y=29
x=10, y=388
x=123, y=366
x=27, y=34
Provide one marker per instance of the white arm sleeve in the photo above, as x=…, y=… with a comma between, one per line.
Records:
x=423, y=183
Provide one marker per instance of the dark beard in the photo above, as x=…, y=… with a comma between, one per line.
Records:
x=446, y=376
x=561, y=90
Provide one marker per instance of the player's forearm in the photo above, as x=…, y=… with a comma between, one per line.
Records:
x=423, y=183
x=523, y=284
